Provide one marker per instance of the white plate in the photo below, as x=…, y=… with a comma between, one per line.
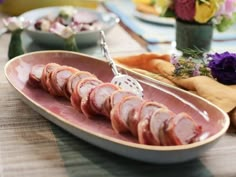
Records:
x=99, y=131
x=84, y=38
x=155, y=19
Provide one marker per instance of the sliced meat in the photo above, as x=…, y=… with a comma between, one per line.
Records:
x=94, y=103
x=35, y=76
x=121, y=112
x=59, y=78
x=144, y=134
x=73, y=80
x=48, y=69
x=182, y=129
x=144, y=112
x=164, y=139
x=114, y=99
x=82, y=89
x=157, y=124
x=99, y=95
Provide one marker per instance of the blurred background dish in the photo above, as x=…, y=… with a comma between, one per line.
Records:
x=148, y=10
x=9, y=6
x=154, y=18
x=83, y=38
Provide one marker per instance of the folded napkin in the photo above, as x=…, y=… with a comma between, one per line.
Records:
x=159, y=67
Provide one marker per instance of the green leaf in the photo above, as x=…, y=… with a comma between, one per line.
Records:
x=70, y=44
x=169, y=13
x=153, y=2
x=226, y=22
x=15, y=45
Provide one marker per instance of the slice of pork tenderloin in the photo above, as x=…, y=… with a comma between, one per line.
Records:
x=115, y=98
x=73, y=80
x=99, y=95
x=85, y=107
x=92, y=105
x=48, y=69
x=121, y=112
x=35, y=76
x=144, y=134
x=164, y=139
x=144, y=112
x=83, y=89
x=59, y=78
x=157, y=124
x=182, y=129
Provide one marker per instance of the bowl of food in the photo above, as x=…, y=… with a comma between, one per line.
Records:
x=86, y=23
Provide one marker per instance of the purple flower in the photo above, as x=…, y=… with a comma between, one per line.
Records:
x=196, y=71
x=223, y=67
x=174, y=60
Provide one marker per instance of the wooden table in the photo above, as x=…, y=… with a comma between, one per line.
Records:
x=32, y=146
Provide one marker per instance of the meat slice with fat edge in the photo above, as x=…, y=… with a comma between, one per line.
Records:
x=114, y=99
x=48, y=69
x=99, y=95
x=82, y=90
x=182, y=129
x=59, y=78
x=121, y=112
x=35, y=75
x=157, y=122
x=73, y=80
x=144, y=112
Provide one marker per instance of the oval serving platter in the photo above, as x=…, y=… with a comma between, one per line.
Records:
x=99, y=132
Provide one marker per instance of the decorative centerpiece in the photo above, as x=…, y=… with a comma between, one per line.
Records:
x=195, y=20
x=220, y=66
x=15, y=26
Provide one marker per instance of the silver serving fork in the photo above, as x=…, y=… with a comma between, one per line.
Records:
x=124, y=81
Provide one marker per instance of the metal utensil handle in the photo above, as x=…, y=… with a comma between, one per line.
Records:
x=106, y=54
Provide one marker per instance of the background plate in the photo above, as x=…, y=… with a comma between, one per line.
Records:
x=155, y=19
x=84, y=38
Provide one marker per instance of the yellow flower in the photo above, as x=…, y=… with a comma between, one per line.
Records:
x=163, y=3
x=147, y=2
x=205, y=10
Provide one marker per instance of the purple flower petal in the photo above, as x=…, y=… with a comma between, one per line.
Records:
x=223, y=67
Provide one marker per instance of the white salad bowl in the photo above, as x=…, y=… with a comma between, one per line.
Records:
x=83, y=38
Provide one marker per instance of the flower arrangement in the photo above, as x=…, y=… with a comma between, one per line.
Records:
x=187, y=67
x=222, y=13
x=15, y=25
x=220, y=66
